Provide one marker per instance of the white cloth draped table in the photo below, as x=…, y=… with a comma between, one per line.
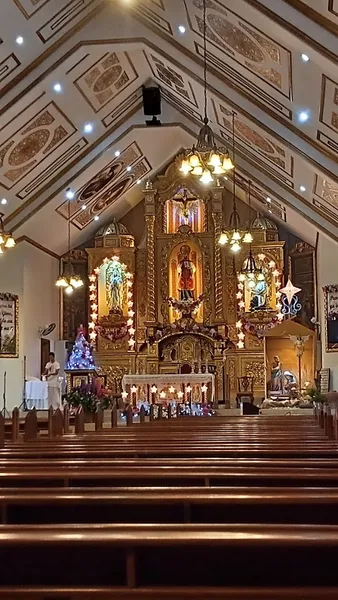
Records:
x=164, y=379
x=37, y=394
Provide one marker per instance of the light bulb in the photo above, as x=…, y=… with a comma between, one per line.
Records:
x=206, y=177
x=236, y=236
x=223, y=239
x=197, y=171
x=235, y=247
x=61, y=282
x=10, y=242
x=69, y=290
x=248, y=239
x=227, y=164
x=215, y=160
x=194, y=161
x=241, y=277
x=251, y=284
x=218, y=170
x=185, y=167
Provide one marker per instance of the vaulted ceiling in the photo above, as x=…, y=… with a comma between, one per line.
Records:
x=101, y=52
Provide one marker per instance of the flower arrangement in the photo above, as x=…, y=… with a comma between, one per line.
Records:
x=314, y=395
x=90, y=397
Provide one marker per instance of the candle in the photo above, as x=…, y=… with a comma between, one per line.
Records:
x=133, y=394
x=204, y=390
x=153, y=393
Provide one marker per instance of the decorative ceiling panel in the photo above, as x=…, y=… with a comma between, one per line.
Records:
x=326, y=197
x=106, y=79
x=47, y=22
x=100, y=192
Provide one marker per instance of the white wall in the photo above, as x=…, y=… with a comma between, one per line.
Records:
x=327, y=273
x=30, y=273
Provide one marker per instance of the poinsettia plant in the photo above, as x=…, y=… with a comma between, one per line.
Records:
x=90, y=397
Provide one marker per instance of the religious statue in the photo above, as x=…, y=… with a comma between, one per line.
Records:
x=276, y=383
x=299, y=342
x=114, y=282
x=259, y=295
x=186, y=272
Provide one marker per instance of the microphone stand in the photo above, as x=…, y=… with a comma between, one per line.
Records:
x=4, y=410
x=23, y=404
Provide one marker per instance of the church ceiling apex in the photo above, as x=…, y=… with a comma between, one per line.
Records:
x=37, y=141
x=107, y=186
x=104, y=80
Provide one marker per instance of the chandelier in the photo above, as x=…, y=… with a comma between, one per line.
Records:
x=205, y=158
x=68, y=279
x=251, y=272
x=233, y=233
x=6, y=239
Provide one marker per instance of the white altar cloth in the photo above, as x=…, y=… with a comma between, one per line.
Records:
x=164, y=379
x=37, y=394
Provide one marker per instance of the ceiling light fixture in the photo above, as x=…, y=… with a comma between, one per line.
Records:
x=84, y=206
x=181, y=29
x=88, y=128
x=268, y=199
x=305, y=58
x=233, y=234
x=68, y=279
x=6, y=239
x=57, y=87
x=128, y=169
x=205, y=159
x=138, y=181
x=117, y=153
x=69, y=194
x=4, y=201
x=303, y=116
x=19, y=40
x=96, y=218
x=302, y=188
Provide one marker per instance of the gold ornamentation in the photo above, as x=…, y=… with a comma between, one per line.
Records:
x=256, y=370
x=231, y=299
x=219, y=317
x=151, y=308
x=232, y=333
x=232, y=374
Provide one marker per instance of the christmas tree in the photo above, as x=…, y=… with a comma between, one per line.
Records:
x=81, y=356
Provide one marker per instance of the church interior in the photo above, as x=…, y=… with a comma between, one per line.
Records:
x=168, y=235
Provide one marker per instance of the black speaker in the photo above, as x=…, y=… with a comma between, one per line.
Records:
x=250, y=409
x=151, y=101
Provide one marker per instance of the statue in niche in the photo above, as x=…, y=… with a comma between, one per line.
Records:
x=114, y=284
x=259, y=296
x=186, y=272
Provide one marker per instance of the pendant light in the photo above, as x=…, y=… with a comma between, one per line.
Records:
x=251, y=273
x=68, y=279
x=233, y=234
x=205, y=159
x=6, y=239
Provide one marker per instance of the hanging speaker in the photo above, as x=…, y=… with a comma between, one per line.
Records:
x=151, y=101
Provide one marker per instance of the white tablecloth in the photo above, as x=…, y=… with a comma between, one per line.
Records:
x=162, y=380
x=37, y=394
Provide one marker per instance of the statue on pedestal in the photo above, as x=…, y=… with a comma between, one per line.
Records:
x=186, y=271
x=276, y=384
x=115, y=279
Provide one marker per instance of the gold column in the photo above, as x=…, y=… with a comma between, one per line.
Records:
x=149, y=193
x=217, y=217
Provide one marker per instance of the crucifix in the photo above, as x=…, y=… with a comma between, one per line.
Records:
x=186, y=200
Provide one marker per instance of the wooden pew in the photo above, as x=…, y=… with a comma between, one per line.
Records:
x=169, y=505
x=169, y=555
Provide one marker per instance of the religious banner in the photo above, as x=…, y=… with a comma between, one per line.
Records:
x=331, y=317
x=9, y=335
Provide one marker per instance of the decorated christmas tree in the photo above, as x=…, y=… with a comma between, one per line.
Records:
x=81, y=356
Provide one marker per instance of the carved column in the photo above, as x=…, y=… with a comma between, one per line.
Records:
x=217, y=217
x=149, y=193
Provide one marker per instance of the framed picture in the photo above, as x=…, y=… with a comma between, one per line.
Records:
x=9, y=326
x=331, y=317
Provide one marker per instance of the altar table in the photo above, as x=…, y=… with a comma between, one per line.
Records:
x=164, y=379
x=36, y=394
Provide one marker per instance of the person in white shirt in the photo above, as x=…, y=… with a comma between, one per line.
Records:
x=51, y=372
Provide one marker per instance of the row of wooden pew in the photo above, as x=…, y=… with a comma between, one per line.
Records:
x=238, y=508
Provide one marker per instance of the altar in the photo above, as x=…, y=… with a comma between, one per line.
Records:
x=166, y=387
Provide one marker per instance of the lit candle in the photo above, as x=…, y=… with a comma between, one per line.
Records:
x=153, y=393
x=133, y=394
x=204, y=390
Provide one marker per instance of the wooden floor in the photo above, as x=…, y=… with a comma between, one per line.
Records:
x=236, y=508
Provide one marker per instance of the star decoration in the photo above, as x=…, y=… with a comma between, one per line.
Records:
x=290, y=290
x=172, y=389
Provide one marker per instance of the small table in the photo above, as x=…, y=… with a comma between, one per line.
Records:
x=36, y=394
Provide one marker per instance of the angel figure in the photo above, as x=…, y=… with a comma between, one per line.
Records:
x=299, y=343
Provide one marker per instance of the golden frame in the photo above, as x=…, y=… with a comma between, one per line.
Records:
x=13, y=350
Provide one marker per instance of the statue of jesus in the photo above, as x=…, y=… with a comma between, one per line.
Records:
x=186, y=272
